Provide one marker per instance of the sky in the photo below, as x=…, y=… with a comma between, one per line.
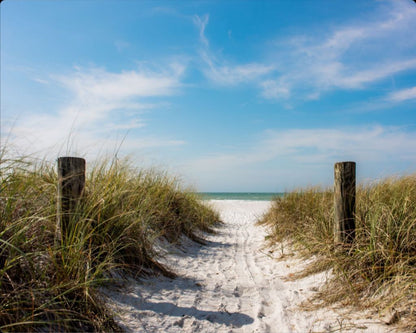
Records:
x=227, y=95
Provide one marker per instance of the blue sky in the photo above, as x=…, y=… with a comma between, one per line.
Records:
x=228, y=95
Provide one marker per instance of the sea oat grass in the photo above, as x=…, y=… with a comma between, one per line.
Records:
x=379, y=270
x=47, y=285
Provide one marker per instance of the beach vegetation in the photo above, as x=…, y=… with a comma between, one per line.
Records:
x=53, y=286
x=378, y=270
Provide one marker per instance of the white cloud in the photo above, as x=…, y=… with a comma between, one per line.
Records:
x=41, y=81
x=294, y=157
x=275, y=89
x=201, y=23
x=351, y=56
x=101, y=108
x=229, y=75
x=121, y=45
x=370, y=144
x=373, y=143
x=402, y=95
x=98, y=93
x=220, y=71
x=336, y=76
x=100, y=84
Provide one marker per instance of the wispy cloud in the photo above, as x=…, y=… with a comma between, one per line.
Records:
x=41, y=81
x=121, y=45
x=97, y=93
x=347, y=57
x=230, y=75
x=402, y=95
x=201, y=23
x=275, y=89
x=288, y=154
x=367, y=143
x=221, y=72
x=99, y=83
x=102, y=107
x=350, y=56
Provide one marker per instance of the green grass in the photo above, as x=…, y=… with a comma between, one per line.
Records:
x=379, y=270
x=53, y=286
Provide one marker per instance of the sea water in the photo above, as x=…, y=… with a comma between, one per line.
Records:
x=262, y=196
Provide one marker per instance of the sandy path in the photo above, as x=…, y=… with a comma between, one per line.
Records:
x=230, y=285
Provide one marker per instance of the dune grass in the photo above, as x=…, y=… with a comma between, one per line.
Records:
x=379, y=270
x=47, y=285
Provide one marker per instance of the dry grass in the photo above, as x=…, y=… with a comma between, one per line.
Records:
x=379, y=270
x=46, y=286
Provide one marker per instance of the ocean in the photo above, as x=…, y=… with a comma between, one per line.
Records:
x=239, y=195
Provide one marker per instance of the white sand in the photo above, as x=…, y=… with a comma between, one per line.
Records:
x=233, y=284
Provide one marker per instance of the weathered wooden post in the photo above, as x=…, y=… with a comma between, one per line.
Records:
x=71, y=182
x=344, y=200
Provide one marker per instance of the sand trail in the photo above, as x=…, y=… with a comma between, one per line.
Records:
x=232, y=284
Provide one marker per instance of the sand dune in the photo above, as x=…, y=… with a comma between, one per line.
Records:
x=233, y=284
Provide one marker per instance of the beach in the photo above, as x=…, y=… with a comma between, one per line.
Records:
x=234, y=283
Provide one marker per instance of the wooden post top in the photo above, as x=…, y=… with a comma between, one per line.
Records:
x=345, y=162
x=69, y=159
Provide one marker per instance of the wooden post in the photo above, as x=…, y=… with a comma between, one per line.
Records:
x=344, y=200
x=71, y=182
